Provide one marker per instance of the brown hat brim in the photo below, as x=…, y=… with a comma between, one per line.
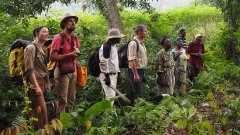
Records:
x=64, y=19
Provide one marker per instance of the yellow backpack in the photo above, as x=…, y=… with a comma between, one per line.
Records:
x=16, y=60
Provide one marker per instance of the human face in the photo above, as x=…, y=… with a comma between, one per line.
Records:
x=167, y=44
x=179, y=43
x=42, y=35
x=70, y=24
x=199, y=39
x=183, y=34
x=143, y=34
x=115, y=40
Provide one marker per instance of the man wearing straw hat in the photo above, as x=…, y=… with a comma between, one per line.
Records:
x=65, y=48
x=109, y=64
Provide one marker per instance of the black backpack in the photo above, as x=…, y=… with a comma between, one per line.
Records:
x=93, y=63
x=122, y=54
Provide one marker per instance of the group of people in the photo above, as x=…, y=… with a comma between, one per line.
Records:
x=64, y=50
x=171, y=65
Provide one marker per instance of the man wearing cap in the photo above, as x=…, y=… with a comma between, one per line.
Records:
x=137, y=59
x=196, y=50
x=109, y=64
x=65, y=48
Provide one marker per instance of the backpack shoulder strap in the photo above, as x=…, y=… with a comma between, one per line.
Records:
x=73, y=37
x=137, y=44
x=36, y=49
x=62, y=43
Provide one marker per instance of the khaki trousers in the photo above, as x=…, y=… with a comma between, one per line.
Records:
x=109, y=92
x=66, y=90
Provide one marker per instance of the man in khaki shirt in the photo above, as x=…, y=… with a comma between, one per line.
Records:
x=137, y=58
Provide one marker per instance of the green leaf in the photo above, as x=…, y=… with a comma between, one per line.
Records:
x=190, y=127
x=67, y=119
x=98, y=108
x=80, y=120
x=91, y=131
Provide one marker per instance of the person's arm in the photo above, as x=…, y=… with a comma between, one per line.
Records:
x=189, y=49
x=133, y=66
x=176, y=54
x=132, y=54
x=77, y=48
x=48, y=84
x=54, y=55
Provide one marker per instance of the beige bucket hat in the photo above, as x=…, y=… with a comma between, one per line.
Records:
x=65, y=17
x=114, y=33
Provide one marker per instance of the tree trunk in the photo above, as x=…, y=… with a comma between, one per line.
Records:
x=112, y=15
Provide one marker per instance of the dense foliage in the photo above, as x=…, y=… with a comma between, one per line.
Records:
x=212, y=105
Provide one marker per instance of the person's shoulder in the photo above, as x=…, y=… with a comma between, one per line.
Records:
x=191, y=43
x=30, y=47
x=132, y=43
x=56, y=37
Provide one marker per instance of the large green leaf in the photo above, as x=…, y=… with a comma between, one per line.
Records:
x=97, y=108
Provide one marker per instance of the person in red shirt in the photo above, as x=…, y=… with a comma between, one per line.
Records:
x=196, y=50
x=64, y=50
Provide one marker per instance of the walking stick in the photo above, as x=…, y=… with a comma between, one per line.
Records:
x=121, y=95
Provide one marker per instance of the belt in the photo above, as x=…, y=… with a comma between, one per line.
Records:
x=110, y=73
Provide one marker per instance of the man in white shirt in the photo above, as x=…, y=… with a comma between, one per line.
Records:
x=109, y=63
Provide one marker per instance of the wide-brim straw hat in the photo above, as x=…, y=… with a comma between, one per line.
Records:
x=114, y=33
x=65, y=17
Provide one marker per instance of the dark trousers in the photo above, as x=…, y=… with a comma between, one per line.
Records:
x=194, y=72
x=137, y=87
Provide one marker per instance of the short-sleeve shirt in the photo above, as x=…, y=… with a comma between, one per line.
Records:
x=35, y=61
x=166, y=57
x=111, y=64
x=56, y=45
x=139, y=55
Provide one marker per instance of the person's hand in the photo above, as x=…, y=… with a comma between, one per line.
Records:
x=136, y=78
x=38, y=91
x=179, y=53
x=199, y=54
x=107, y=80
x=72, y=54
